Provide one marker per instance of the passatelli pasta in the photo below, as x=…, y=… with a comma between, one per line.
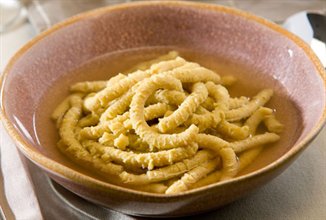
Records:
x=167, y=126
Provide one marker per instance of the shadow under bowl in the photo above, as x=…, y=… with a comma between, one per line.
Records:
x=236, y=37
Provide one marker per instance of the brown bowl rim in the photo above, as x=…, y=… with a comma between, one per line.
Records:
x=77, y=177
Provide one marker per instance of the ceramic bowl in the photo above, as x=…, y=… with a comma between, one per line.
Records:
x=235, y=36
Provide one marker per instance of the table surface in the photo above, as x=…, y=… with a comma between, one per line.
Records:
x=298, y=193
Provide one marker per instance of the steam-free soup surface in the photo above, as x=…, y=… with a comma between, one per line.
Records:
x=249, y=82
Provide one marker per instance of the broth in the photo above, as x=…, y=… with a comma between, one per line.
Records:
x=102, y=68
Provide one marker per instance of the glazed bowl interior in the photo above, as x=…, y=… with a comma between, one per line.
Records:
x=260, y=54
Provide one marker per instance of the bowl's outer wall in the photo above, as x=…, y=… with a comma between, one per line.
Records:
x=218, y=32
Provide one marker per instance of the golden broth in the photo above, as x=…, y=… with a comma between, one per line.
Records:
x=103, y=67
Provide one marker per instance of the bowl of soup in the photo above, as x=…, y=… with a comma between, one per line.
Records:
x=163, y=108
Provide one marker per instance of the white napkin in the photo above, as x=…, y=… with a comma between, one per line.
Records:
x=17, y=187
